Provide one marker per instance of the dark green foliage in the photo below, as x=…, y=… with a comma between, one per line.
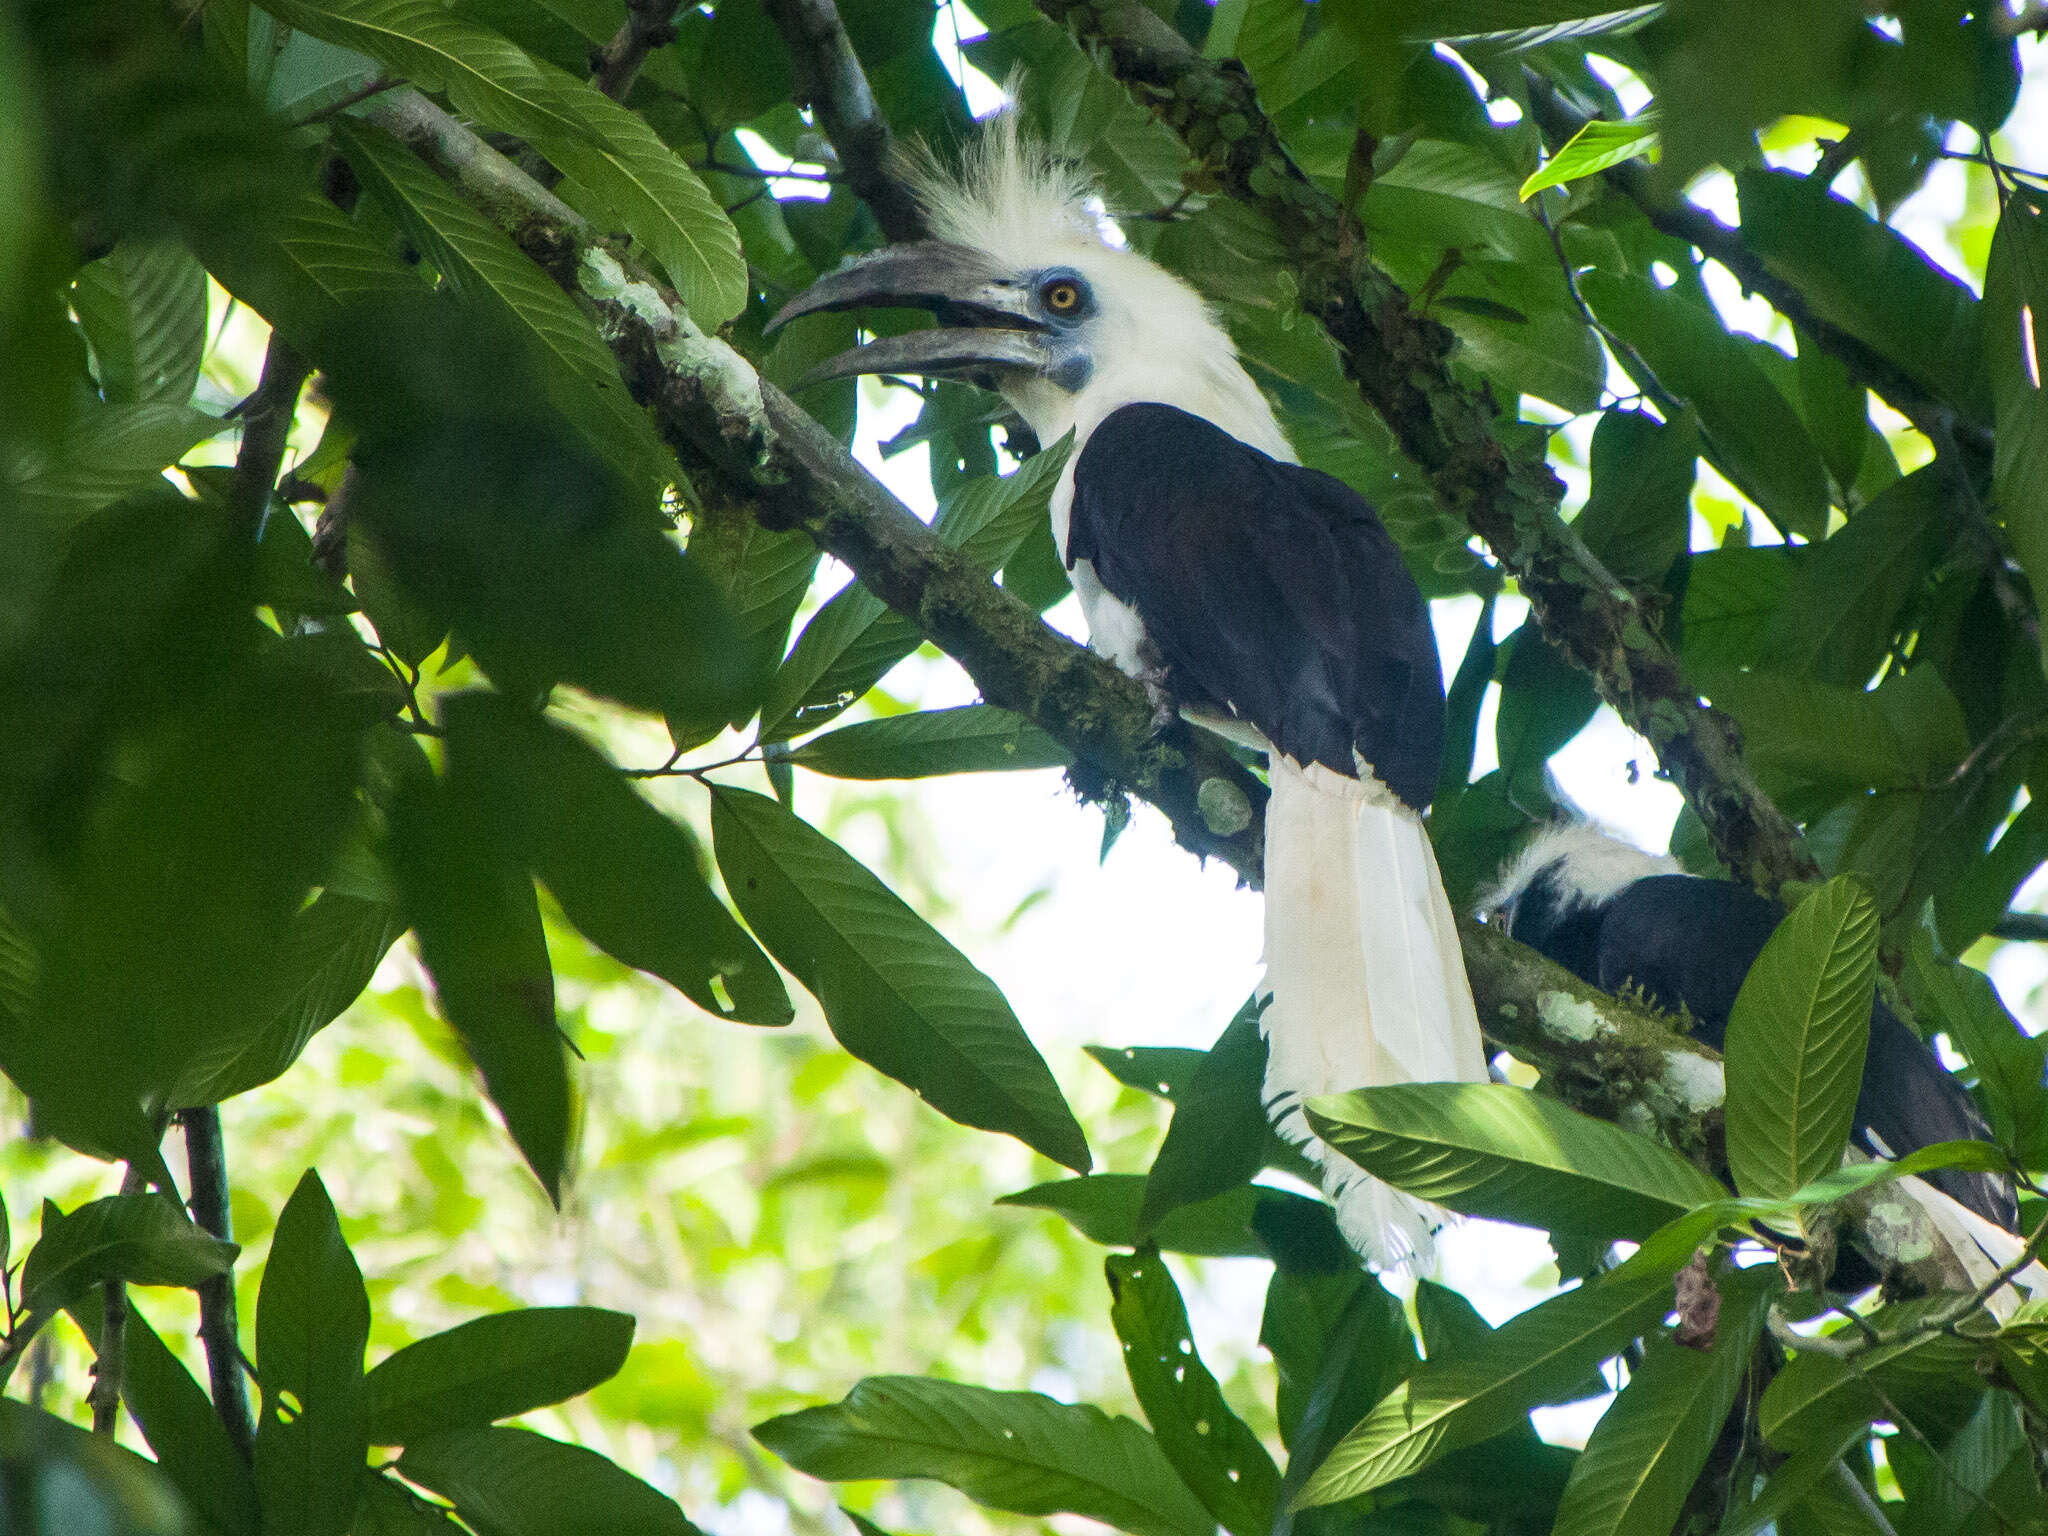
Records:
x=239, y=763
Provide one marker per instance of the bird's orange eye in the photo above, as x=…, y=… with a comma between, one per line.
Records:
x=1062, y=297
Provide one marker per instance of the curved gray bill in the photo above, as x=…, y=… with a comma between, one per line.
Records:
x=959, y=284
x=942, y=353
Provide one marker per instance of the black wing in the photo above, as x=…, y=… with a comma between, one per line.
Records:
x=1269, y=591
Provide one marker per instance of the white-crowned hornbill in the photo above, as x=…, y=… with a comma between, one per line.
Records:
x=1257, y=597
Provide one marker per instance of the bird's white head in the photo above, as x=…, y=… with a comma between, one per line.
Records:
x=1034, y=302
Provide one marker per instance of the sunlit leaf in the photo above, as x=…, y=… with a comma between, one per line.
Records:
x=1009, y=1450
x=1490, y=1149
x=1796, y=1041
x=896, y=994
x=1648, y=1448
x=1593, y=149
x=1474, y=1396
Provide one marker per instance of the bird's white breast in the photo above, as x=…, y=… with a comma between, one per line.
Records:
x=1114, y=629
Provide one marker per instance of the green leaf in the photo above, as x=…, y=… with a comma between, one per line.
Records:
x=855, y=638
x=310, y=262
x=1651, y=1444
x=2015, y=352
x=1907, y=733
x=1015, y=1451
x=895, y=993
x=1796, y=1041
x=613, y=153
x=1513, y=24
x=1519, y=326
x=513, y=1482
x=1545, y=701
x=1593, y=149
x=972, y=738
x=112, y=452
x=1219, y=1136
x=312, y=1324
x=479, y=930
x=1491, y=1149
x=640, y=183
x=142, y=1239
x=1103, y=1208
x=1758, y=436
x=1638, y=515
x=1339, y=1342
x=178, y=1420
x=326, y=959
x=494, y=516
x=1867, y=278
x=2009, y=1062
x=582, y=379
x=1931, y=1377
x=390, y=1508
x=1472, y=1397
x=1213, y=1450
x=626, y=875
x=143, y=309
x=85, y=1481
x=1849, y=591
x=1733, y=597
x=493, y=1368
x=165, y=955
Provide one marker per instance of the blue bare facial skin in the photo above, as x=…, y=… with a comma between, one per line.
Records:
x=1066, y=302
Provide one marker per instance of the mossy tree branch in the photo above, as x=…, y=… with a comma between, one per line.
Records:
x=1399, y=359
x=1605, y=1055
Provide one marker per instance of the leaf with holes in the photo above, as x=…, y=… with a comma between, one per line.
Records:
x=1213, y=1450
x=625, y=874
x=312, y=1325
x=1014, y=1451
x=1219, y=1135
x=896, y=994
x=1796, y=1041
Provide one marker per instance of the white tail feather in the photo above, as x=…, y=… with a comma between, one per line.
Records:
x=1366, y=979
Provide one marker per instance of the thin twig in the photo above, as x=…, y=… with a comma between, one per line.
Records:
x=266, y=425
x=110, y=1356
x=363, y=93
x=649, y=24
x=826, y=76
x=219, y=1332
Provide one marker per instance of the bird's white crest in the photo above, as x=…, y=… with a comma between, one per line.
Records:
x=1592, y=866
x=1155, y=339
